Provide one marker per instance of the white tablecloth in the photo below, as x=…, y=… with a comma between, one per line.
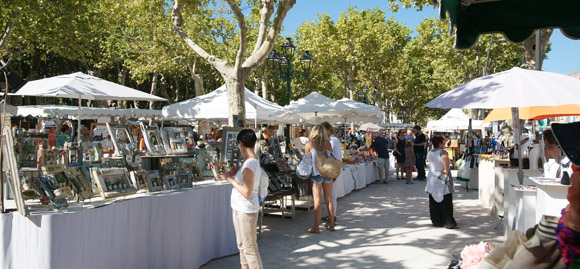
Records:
x=338, y=186
x=371, y=172
x=359, y=173
x=348, y=180
x=182, y=229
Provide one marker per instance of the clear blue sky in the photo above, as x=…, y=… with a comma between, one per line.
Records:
x=564, y=57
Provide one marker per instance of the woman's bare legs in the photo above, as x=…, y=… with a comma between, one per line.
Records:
x=409, y=173
x=316, y=192
x=330, y=206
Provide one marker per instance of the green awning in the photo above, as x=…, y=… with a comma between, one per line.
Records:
x=515, y=19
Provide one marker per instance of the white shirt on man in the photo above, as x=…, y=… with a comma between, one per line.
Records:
x=336, y=148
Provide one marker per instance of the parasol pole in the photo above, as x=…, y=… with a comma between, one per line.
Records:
x=516, y=119
x=79, y=122
x=345, y=133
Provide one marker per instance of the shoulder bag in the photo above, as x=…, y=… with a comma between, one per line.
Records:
x=304, y=168
x=329, y=166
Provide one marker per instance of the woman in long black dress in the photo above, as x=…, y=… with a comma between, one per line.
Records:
x=400, y=153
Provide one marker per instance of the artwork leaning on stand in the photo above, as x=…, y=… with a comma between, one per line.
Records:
x=154, y=181
x=204, y=159
x=169, y=173
x=139, y=180
x=175, y=140
x=56, y=185
x=113, y=182
x=79, y=183
x=153, y=140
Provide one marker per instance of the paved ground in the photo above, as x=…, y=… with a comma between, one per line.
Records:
x=380, y=226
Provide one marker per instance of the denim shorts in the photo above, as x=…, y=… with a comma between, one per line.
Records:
x=320, y=179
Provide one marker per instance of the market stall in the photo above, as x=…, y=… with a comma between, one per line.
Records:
x=143, y=169
x=516, y=88
x=138, y=231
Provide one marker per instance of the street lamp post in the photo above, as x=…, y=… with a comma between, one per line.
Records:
x=281, y=68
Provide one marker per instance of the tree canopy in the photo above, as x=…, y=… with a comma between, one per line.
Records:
x=180, y=49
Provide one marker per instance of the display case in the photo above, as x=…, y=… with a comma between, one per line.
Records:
x=57, y=185
x=113, y=182
x=188, y=171
x=154, y=180
x=51, y=157
x=139, y=180
x=174, y=140
x=74, y=154
x=204, y=160
x=123, y=142
x=169, y=173
x=32, y=188
x=190, y=164
x=153, y=141
x=79, y=183
x=272, y=152
x=92, y=152
x=230, y=151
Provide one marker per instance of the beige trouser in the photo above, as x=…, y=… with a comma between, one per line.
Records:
x=246, y=238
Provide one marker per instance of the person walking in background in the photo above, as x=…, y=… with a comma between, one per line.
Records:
x=410, y=160
x=319, y=144
x=440, y=186
x=244, y=200
x=390, y=141
x=400, y=153
x=410, y=136
x=419, y=149
x=380, y=146
x=300, y=141
x=337, y=152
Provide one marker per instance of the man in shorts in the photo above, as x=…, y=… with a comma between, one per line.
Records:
x=379, y=145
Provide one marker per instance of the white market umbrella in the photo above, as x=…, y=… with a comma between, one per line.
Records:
x=214, y=106
x=512, y=88
x=82, y=86
x=455, y=119
x=360, y=112
x=370, y=127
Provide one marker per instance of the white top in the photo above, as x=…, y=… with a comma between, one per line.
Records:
x=336, y=148
x=435, y=186
x=299, y=142
x=238, y=201
x=315, y=171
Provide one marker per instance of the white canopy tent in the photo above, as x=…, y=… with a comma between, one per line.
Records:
x=318, y=107
x=455, y=119
x=82, y=86
x=62, y=111
x=214, y=106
